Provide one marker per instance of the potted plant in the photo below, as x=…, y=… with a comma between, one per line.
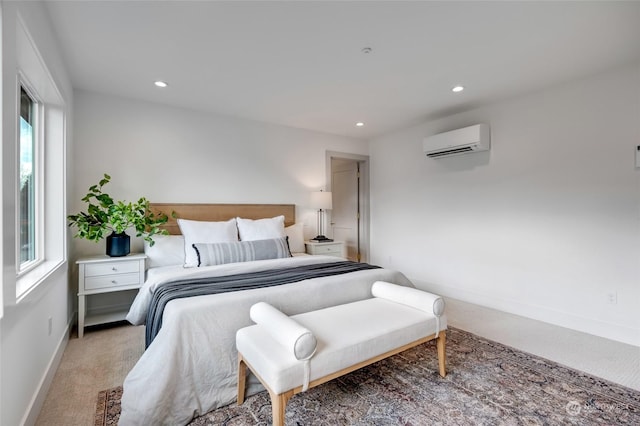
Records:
x=105, y=215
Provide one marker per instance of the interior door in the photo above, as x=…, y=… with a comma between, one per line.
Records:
x=345, y=215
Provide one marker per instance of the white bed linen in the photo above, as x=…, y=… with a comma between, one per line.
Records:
x=191, y=366
x=158, y=276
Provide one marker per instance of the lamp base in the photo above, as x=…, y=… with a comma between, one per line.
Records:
x=322, y=239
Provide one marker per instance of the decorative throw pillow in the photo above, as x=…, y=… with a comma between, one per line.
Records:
x=168, y=250
x=261, y=229
x=195, y=231
x=296, y=237
x=241, y=251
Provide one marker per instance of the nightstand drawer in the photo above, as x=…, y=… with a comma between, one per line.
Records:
x=111, y=268
x=110, y=281
x=328, y=249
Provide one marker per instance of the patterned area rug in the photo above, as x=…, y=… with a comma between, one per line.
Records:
x=487, y=383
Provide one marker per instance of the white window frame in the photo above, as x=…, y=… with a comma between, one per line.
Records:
x=33, y=74
x=38, y=125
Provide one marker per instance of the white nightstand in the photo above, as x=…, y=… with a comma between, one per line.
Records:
x=104, y=274
x=332, y=248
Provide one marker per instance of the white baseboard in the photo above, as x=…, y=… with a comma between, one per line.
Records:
x=618, y=332
x=37, y=401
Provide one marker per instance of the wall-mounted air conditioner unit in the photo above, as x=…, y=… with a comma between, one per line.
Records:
x=461, y=141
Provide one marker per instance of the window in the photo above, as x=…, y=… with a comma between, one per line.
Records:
x=27, y=192
x=39, y=173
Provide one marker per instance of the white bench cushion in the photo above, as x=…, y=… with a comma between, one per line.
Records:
x=289, y=333
x=346, y=335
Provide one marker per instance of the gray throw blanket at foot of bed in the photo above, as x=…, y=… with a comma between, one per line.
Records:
x=214, y=285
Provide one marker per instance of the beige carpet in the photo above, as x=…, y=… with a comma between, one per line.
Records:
x=100, y=360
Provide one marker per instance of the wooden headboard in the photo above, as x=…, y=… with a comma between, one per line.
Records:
x=221, y=212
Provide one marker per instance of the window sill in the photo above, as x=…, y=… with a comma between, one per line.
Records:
x=27, y=283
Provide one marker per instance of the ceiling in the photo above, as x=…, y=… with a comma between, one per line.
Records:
x=301, y=64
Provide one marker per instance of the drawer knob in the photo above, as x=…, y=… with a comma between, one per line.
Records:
x=114, y=269
x=114, y=282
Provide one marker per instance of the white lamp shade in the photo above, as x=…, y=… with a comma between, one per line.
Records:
x=321, y=200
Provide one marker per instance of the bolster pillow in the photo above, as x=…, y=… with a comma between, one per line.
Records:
x=427, y=302
x=284, y=330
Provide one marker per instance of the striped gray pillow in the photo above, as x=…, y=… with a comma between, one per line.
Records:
x=241, y=251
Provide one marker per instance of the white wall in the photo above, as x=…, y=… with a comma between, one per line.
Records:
x=545, y=225
x=28, y=353
x=175, y=155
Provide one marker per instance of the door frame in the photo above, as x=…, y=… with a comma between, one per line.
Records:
x=364, y=195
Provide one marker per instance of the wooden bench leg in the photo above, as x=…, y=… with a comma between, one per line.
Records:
x=440, y=343
x=279, y=405
x=242, y=377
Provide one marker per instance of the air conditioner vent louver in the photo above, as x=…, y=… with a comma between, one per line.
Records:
x=468, y=139
x=450, y=152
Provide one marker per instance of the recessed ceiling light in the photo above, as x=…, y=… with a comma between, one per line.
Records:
x=457, y=89
x=160, y=83
x=359, y=124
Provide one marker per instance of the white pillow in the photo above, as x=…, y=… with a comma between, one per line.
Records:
x=195, y=231
x=296, y=237
x=168, y=250
x=261, y=229
x=287, y=331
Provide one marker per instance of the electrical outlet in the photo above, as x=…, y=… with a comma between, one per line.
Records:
x=612, y=298
x=50, y=325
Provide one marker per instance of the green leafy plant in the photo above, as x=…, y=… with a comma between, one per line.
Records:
x=104, y=215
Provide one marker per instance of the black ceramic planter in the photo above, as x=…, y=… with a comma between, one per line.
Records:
x=118, y=244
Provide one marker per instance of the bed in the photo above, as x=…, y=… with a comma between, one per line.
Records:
x=190, y=366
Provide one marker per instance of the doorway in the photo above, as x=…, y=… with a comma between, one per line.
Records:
x=348, y=176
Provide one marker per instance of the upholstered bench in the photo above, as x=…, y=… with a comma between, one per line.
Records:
x=291, y=354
